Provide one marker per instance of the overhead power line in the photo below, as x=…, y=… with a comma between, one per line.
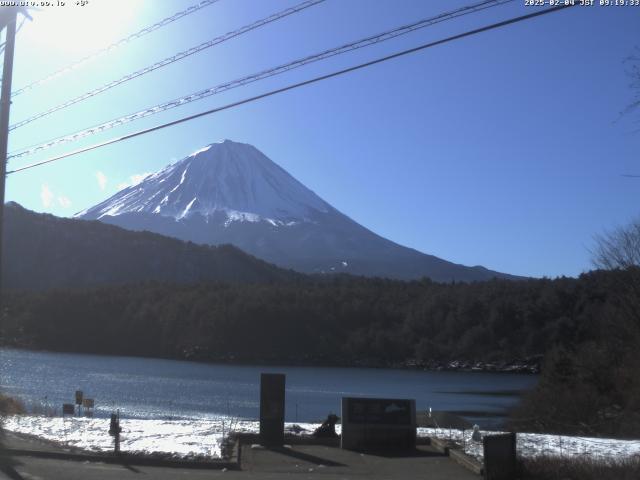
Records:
x=141, y=33
x=169, y=60
x=296, y=85
x=365, y=42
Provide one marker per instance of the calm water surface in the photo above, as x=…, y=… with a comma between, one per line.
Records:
x=169, y=389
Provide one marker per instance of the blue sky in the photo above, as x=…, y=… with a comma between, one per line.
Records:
x=504, y=149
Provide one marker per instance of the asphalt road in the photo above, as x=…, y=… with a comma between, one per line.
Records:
x=295, y=462
x=303, y=462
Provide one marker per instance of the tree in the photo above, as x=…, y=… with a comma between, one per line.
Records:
x=589, y=382
x=619, y=248
x=633, y=71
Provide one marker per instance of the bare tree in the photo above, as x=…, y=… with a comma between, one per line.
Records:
x=619, y=248
x=633, y=71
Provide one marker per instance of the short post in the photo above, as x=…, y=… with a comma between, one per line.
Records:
x=79, y=396
x=114, y=431
x=464, y=440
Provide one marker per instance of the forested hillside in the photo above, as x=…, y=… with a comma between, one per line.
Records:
x=42, y=251
x=589, y=380
x=344, y=320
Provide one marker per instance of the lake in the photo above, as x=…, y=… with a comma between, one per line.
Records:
x=147, y=388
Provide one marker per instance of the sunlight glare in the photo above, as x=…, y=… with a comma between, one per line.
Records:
x=79, y=29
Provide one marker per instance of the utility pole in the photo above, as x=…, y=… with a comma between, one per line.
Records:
x=9, y=19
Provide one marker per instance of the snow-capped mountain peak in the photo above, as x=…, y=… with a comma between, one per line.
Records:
x=230, y=192
x=229, y=178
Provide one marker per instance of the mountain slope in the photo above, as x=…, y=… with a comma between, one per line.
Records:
x=230, y=192
x=42, y=251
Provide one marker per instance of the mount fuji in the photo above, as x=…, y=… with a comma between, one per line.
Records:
x=230, y=192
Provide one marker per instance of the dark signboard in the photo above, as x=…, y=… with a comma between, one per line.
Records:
x=379, y=411
x=88, y=402
x=68, y=409
x=500, y=456
x=79, y=397
x=272, y=408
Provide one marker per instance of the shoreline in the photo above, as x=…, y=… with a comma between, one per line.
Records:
x=530, y=365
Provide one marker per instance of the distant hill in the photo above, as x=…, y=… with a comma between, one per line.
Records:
x=230, y=192
x=42, y=251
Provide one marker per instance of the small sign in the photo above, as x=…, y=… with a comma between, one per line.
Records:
x=78, y=397
x=87, y=402
x=68, y=409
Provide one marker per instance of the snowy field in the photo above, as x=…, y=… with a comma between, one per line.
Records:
x=202, y=438
x=535, y=444
x=177, y=438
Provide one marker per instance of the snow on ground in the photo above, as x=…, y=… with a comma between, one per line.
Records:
x=534, y=444
x=179, y=438
x=194, y=438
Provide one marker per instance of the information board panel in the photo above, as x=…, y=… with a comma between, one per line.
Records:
x=378, y=424
x=380, y=411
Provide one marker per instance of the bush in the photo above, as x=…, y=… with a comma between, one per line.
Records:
x=10, y=405
x=554, y=468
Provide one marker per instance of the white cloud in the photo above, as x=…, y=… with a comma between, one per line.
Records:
x=137, y=178
x=64, y=202
x=46, y=195
x=102, y=180
x=49, y=199
x=133, y=180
